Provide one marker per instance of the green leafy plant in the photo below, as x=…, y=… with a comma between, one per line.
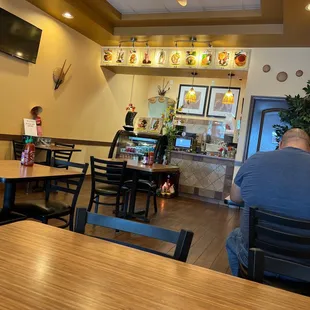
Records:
x=297, y=115
x=168, y=127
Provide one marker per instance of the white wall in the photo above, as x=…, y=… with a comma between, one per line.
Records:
x=265, y=84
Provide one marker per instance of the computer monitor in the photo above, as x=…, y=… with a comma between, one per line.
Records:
x=183, y=143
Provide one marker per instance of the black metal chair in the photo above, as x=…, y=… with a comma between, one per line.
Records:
x=53, y=209
x=107, y=181
x=64, y=155
x=18, y=147
x=182, y=239
x=279, y=252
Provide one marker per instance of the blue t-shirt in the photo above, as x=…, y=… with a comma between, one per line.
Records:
x=277, y=181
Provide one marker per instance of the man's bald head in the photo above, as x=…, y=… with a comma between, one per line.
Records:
x=297, y=138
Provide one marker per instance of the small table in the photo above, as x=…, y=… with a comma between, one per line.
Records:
x=53, y=148
x=137, y=167
x=12, y=172
x=44, y=267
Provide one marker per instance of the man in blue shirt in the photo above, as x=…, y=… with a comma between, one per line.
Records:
x=277, y=181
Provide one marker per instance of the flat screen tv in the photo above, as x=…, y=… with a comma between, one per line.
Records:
x=19, y=38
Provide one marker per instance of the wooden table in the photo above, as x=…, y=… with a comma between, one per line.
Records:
x=137, y=167
x=12, y=172
x=53, y=148
x=43, y=267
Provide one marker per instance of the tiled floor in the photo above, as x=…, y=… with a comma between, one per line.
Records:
x=210, y=223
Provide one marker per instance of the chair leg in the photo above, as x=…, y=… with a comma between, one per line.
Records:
x=155, y=202
x=44, y=220
x=97, y=204
x=148, y=200
x=91, y=201
x=71, y=219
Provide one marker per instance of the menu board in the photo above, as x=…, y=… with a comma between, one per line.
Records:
x=196, y=58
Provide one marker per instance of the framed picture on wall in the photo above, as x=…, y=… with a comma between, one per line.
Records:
x=156, y=125
x=216, y=108
x=192, y=108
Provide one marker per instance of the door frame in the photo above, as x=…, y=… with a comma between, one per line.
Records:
x=250, y=120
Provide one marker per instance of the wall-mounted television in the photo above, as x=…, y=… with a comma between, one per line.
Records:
x=19, y=38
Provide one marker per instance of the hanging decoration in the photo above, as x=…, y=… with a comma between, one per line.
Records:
x=59, y=75
x=191, y=96
x=229, y=96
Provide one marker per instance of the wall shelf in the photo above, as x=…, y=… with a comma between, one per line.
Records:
x=182, y=72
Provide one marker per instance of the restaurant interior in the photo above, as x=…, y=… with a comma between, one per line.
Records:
x=124, y=124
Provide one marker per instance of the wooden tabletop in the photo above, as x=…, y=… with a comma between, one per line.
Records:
x=55, y=148
x=44, y=267
x=134, y=165
x=13, y=170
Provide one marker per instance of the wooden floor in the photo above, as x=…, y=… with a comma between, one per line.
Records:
x=210, y=223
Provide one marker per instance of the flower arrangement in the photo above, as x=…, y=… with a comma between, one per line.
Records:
x=164, y=88
x=130, y=108
x=168, y=127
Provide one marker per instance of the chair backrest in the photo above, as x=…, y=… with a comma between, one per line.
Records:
x=18, y=147
x=276, y=250
x=182, y=239
x=107, y=171
x=64, y=155
x=68, y=185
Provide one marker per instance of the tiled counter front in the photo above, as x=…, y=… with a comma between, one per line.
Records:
x=204, y=177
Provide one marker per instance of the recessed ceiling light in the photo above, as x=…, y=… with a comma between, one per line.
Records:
x=182, y=2
x=67, y=15
x=307, y=7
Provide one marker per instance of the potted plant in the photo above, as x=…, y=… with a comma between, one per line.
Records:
x=169, y=129
x=297, y=115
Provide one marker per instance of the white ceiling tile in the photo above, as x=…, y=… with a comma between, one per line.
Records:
x=166, y=6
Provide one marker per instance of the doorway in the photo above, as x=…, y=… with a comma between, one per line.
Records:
x=264, y=113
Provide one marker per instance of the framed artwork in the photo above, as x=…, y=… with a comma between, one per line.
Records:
x=156, y=125
x=193, y=108
x=143, y=124
x=216, y=108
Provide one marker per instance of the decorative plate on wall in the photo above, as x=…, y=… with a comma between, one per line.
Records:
x=282, y=76
x=266, y=68
x=299, y=73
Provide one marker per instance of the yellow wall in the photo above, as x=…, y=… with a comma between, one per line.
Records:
x=265, y=84
x=90, y=105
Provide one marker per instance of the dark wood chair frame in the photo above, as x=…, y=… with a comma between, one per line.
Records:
x=182, y=239
x=18, y=147
x=264, y=253
x=109, y=173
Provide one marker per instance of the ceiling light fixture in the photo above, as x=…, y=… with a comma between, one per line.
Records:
x=182, y=2
x=67, y=15
x=307, y=7
x=229, y=96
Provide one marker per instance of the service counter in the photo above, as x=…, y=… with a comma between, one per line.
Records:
x=204, y=177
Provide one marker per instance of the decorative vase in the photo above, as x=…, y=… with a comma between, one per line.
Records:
x=168, y=157
x=130, y=116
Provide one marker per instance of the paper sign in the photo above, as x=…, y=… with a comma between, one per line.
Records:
x=30, y=127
